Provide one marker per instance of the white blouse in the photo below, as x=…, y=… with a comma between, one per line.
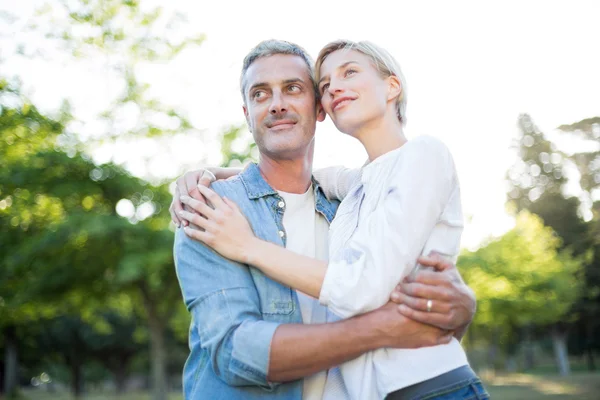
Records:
x=400, y=206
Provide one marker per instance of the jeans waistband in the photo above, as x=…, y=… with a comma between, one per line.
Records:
x=456, y=375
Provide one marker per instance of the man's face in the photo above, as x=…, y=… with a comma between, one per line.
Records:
x=280, y=106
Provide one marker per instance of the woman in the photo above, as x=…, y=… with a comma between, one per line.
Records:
x=404, y=203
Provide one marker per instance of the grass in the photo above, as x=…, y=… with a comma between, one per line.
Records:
x=580, y=386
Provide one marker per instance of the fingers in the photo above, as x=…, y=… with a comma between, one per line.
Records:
x=436, y=261
x=191, y=179
x=197, y=220
x=175, y=207
x=440, y=320
x=432, y=278
x=419, y=304
x=204, y=237
x=216, y=200
x=198, y=206
x=415, y=289
x=231, y=204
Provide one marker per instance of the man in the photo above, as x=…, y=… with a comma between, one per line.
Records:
x=247, y=337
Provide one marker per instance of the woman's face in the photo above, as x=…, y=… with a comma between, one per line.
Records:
x=352, y=91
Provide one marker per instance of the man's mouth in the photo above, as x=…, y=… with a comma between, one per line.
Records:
x=282, y=125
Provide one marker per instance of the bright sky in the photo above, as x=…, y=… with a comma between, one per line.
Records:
x=472, y=67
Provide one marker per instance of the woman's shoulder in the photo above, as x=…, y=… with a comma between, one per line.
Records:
x=428, y=145
x=422, y=156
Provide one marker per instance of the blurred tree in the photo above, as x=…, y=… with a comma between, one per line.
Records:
x=536, y=182
x=132, y=254
x=523, y=278
x=587, y=161
x=77, y=232
x=237, y=147
x=123, y=36
x=538, y=168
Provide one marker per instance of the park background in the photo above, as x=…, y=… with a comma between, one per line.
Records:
x=104, y=102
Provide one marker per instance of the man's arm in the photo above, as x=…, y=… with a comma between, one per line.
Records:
x=302, y=350
x=246, y=350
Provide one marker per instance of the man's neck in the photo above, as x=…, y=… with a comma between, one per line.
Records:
x=291, y=176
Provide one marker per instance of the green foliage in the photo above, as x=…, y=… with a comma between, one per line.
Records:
x=522, y=277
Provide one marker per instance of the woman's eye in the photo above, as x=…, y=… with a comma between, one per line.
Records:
x=350, y=72
x=324, y=87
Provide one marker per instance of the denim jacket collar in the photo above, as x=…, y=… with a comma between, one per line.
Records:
x=257, y=187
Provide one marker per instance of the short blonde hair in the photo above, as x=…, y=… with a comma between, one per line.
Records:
x=383, y=61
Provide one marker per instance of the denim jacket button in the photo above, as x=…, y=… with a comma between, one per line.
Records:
x=281, y=204
x=281, y=234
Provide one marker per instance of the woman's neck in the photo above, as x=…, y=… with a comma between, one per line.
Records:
x=381, y=136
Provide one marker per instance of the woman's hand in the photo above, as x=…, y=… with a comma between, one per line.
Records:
x=223, y=226
x=187, y=185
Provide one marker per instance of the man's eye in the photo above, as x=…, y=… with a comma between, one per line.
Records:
x=258, y=94
x=294, y=88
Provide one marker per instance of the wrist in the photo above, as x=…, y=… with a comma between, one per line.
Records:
x=373, y=327
x=251, y=250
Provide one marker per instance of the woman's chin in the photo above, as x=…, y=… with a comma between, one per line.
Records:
x=346, y=127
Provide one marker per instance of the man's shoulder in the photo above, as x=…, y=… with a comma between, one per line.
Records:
x=227, y=187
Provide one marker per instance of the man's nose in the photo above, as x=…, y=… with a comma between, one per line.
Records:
x=278, y=104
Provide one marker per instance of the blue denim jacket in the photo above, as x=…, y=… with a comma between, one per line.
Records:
x=235, y=309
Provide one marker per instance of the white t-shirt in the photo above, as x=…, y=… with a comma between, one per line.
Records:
x=307, y=234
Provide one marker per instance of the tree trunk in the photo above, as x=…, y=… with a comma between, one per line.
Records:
x=76, y=378
x=11, y=361
x=493, y=349
x=590, y=359
x=559, y=342
x=589, y=349
x=157, y=347
x=528, y=349
x=120, y=373
x=511, y=363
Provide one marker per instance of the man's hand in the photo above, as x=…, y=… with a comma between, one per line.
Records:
x=187, y=185
x=401, y=332
x=452, y=302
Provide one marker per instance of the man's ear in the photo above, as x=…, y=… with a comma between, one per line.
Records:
x=394, y=88
x=320, y=112
x=247, y=118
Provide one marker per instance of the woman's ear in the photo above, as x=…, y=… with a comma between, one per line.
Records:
x=394, y=87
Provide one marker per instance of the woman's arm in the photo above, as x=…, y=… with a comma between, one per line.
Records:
x=387, y=242
x=337, y=181
x=286, y=267
x=227, y=231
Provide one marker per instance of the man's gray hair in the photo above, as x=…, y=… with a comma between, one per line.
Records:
x=272, y=47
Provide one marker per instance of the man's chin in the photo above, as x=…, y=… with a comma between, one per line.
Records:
x=285, y=150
